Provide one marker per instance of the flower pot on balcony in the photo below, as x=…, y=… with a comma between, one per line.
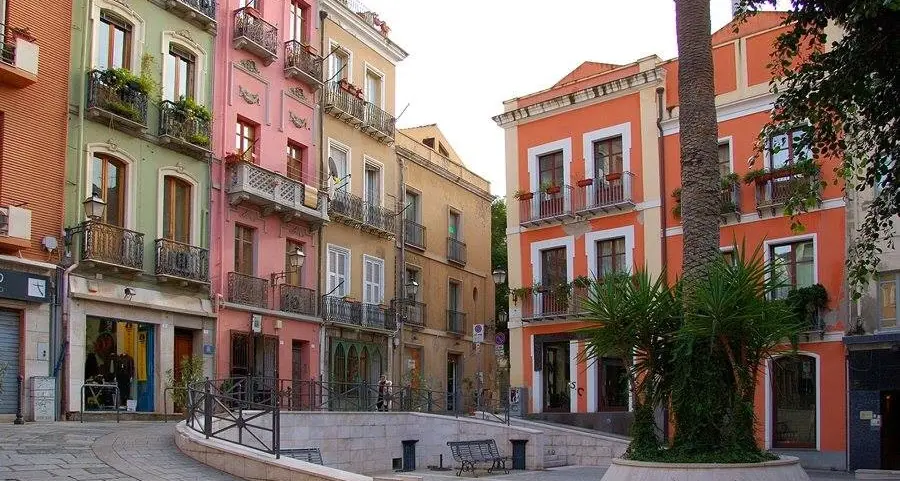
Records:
x=253, y=12
x=585, y=182
x=525, y=196
x=613, y=176
x=344, y=84
x=233, y=158
x=553, y=189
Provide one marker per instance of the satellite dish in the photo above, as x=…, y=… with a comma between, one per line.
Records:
x=332, y=168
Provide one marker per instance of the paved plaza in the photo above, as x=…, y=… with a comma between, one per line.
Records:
x=146, y=452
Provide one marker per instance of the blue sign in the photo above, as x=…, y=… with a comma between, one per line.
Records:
x=209, y=349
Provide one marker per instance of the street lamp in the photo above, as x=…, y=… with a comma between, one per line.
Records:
x=296, y=260
x=499, y=276
x=412, y=289
x=94, y=207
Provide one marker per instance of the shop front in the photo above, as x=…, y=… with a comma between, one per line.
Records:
x=121, y=354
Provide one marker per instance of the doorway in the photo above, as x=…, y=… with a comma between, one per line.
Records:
x=556, y=377
x=452, y=380
x=184, y=349
x=890, y=430
x=299, y=372
x=144, y=356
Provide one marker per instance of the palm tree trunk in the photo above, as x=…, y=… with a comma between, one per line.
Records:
x=700, y=182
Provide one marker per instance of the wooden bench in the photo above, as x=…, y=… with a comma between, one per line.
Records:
x=310, y=455
x=470, y=453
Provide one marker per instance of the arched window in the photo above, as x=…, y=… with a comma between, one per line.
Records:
x=794, y=394
x=339, y=367
x=176, y=209
x=108, y=182
x=352, y=365
x=364, y=366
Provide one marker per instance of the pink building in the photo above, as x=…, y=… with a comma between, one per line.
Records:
x=266, y=203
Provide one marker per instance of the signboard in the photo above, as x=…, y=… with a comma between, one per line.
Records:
x=500, y=339
x=209, y=349
x=478, y=333
x=24, y=286
x=256, y=323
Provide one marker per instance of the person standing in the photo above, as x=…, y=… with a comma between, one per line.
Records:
x=382, y=390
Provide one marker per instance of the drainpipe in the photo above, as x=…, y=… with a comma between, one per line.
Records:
x=661, y=148
x=323, y=168
x=66, y=307
x=399, y=284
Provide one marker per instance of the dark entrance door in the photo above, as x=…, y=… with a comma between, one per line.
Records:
x=890, y=430
x=299, y=372
x=556, y=377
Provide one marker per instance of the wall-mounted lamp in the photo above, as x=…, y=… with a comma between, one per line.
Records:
x=499, y=276
x=296, y=260
x=94, y=207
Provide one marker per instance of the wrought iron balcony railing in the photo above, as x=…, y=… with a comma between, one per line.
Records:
x=379, y=124
x=255, y=35
x=412, y=312
x=379, y=220
x=378, y=316
x=123, y=103
x=415, y=234
x=275, y=193
x=248, y=290
x=545, y=207
x=774, y=191
x=456, y=250
x=605, y=194
x=296, y=299
x=456, y=321
x=182, y=128
x=201, y=11
x=345, y=311
x=553, y=303
x=731, y=200
x=182, y=261
x=112, y=245
x=346, y=207
x=299, y=62
x=344, y=105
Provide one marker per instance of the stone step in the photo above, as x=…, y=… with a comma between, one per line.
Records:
x=877, y=474
x=124, y=416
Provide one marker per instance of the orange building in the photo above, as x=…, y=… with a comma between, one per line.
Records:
x=592, y=166
x=34, y=69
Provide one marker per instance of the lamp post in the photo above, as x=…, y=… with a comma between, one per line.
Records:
x=94, y=207
x=499, y=276
x=411, y=289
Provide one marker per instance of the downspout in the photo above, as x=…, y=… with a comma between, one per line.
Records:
x=323, y=185
x=661, y=150
x=399, y=283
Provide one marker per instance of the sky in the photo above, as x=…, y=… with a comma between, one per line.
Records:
x=467, y=57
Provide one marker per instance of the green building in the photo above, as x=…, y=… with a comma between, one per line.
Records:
x=137, y=201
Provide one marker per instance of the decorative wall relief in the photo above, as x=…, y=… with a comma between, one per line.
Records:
x=298, y=122
x=249, y=65
x=248, y=96
x=297, y=92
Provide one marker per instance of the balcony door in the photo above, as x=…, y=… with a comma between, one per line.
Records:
x=109, y=183
x=553, y=274
x=373, y=88
x=373, y=290
x=294, y=275
x=340, y=157
x=297, y=22
x=243, y=250
x=550, y=168
x=608, y=165
x=295, y=155
x=177, y=210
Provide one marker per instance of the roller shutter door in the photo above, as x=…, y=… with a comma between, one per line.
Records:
x=9, y=355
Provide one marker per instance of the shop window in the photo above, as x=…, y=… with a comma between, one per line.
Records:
x=794, y=394
x=119, y=353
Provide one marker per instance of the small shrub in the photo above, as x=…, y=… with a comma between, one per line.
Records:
x=191, y=372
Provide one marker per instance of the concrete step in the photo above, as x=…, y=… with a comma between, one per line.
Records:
x=877, y=474
x=124, y=416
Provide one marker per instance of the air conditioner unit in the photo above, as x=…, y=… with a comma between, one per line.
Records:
x=15, y=222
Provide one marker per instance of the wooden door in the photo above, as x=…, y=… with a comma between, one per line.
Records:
x=184, y=348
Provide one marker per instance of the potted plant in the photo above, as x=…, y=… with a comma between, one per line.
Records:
x=585, y=182
x=522, y=195
x=550, y=188
x=612, y=176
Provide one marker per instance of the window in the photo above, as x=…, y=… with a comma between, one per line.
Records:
x=795, y=263
x=453, y=299
x=429, y=142
x=729, y=257
x=442, y=150
x=413, y=206
x=340, y=64
x=373, y=280
x=794, y=393
x=294, y=275
x=295, y=157
x=109, y=183
x=783, y=148
x=176, y=209
x=341, y=158
x=245, y=139
x=373, y=88
x=888, y=297
x=553, y=266
x=881, y=181
x=297, y=22
x=373, y=184
x=454, y=226
x=613, y=385
x=113, y=43
x=338, y=271
x=607, y=156
x=412, y=275
x=179, y=81
x=610, y=256
x=550, y=168
x=243, y=249
x=248, y=3
x=724, y=158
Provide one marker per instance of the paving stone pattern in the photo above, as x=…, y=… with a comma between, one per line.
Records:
x=97, y=451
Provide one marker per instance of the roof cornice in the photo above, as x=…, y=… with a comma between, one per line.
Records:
x=631, y=82
x=363, y=31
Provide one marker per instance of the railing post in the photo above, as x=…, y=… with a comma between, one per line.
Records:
x=276, y=430
x=207, y=410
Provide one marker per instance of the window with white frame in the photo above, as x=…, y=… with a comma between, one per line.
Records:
x=373, y=87
x=341, y=158
x=724, y=152
x=338, y=278
x=794, y=264
x=794, y=399
x=297, y=20
x=373, y=184
x=373, y=280
x=888, y=298
x=340, y=64
x=786, y=148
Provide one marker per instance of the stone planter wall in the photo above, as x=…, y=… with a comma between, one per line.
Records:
x=785, y=469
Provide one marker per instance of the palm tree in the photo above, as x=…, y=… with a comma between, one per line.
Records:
x=700, y=184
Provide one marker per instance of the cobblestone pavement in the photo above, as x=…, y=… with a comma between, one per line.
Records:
x=97, y=451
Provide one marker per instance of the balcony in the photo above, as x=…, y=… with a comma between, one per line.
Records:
x=15, y=228
x=415, y=234
x=124, y=105
x=200, y=12
x=248, y=290
x=344, y=105
x=110, y=246
x=456, y=322
x=775, y=188
x=553, y=303
x=346, y=208
x=413, y=312
x=731, y=202
x=181, y=262
x=379, y=124
x=546, y=207
x=183, y=131
x=255, y=35
x=611, y=193
x=456, y=251
x=297, y=300
x=354, y=313
x=275, y=193
x=18, y=57
x=301, y=64
x=378, y=221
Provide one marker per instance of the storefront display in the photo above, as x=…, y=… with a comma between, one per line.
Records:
x=119, y=353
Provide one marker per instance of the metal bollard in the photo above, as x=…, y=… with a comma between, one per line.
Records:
x=19, y=419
